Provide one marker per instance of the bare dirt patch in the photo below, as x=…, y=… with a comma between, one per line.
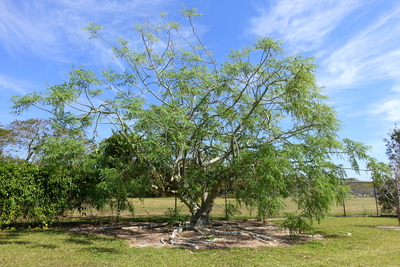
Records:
x=243, y=233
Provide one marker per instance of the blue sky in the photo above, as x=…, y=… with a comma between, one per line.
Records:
x=356, y=44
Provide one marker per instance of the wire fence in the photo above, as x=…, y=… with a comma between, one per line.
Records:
x=362, y=189
x=362, y=202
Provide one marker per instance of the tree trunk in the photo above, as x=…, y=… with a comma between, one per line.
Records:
x=201, y=216
x=398, y=203
x=398, y=215
x=397, y=198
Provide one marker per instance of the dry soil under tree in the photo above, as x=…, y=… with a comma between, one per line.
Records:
x=223, y=234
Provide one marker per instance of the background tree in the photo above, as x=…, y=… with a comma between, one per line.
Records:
x=387, y=196
x=4, y=141
x=389, y=188
x=258, y=121
x=24, y=137
x=360, y=188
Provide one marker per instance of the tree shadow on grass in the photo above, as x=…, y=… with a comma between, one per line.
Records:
x=11, y=237
x=87, y=240
x=10, y=234
x=8, y=240
x=99, y=250
x=45, y=246
x=78, y=240
x=2, y=242
x=344, y=235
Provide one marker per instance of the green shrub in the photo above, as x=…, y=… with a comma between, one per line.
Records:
x=296, y=224
x=39, y=194
x=21, y=195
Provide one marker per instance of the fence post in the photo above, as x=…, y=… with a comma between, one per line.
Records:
x=344, y=207
x=376, y=202
x=176, y=205
x=226, y=202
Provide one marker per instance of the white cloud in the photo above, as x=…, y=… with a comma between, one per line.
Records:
x=387, y=109
x=12, y=86
x=396, y=88
x=303, y=24
x=348, y=50
x=18, y=30
x=52, y=29
x=357, y=47
x=372, y=54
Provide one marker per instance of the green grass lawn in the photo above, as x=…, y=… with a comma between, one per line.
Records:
x=350, y=241
x=158, y=206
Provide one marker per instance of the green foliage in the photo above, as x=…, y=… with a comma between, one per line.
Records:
x=393, y=147
x=31, y=194
x=389, y=185
x=122, y=176
x=72, y=172
x=387, y=197
x=65, y=180
x=185, y=125
x=231, y=210
x=190, y=13
x=297, y=225
x=175, y=216
x=19, y=193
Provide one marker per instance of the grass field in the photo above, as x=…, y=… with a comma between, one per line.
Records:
x=350, y=241
x=158, y=206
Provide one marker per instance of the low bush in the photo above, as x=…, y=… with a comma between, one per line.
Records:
x=33, y=194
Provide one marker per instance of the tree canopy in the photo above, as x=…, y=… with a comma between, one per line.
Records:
x=257, y=122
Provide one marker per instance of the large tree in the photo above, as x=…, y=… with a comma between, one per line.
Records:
x=257, y=122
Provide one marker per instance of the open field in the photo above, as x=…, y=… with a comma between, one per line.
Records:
x=158, y=206
x=351, y=241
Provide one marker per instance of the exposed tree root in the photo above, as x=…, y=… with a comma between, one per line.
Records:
x=219, y=235
x=201, y=230
x=145, y=226
x=126, y=227
x=253, y=235
x=176, y=233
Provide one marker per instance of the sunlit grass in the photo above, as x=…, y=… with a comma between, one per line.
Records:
x=352, y=241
